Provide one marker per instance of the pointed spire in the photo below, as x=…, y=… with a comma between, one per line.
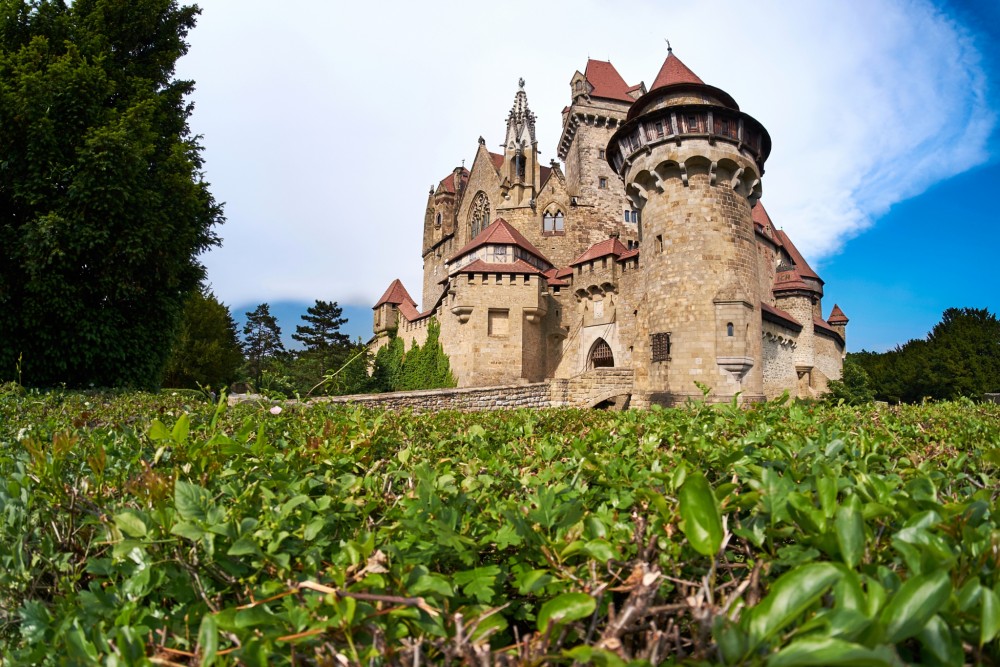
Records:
x=837, y=316
x=520, y=120
x=674, y=71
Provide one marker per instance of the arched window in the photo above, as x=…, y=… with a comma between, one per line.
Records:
x=600, y=355
x=437, y=220
x=729, y=329
x=553, y=221
x=479, y=215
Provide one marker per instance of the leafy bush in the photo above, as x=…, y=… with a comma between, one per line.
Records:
x=138, y=527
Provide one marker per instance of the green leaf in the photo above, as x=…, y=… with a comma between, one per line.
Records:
x=158, y=431
x=478, y=582
x=916, y=601
x=189, y=530
x=181, y=428
x=701, y=523
x=989, y=621
x=936, y=638
x=431, y=583
x=850, y=528
x=35, y=620
x=823, y=651
x=564, y=609
x=190, y=500
x=244, y=546
x=208, y=639
x=130, y=523
x=790, y=596
x=600, y=550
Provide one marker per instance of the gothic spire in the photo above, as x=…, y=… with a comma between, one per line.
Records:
x=520, y=122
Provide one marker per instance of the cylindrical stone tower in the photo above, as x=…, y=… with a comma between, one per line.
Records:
x=691, y=162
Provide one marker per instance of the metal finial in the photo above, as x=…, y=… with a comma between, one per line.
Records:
x=520, y=83
x=669, y=48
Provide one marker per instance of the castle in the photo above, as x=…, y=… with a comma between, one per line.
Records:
x=651, y=252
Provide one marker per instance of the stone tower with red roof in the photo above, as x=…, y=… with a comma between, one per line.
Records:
x=642, y=266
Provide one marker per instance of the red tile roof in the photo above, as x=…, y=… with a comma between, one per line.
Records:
x=499, y=232
x=822, y=327
x=628, y=254
x=601, y=249
x=762, y=220
x=519, y=267
x=448, y=182
x=769, y=312
x=550, y=277
x=837, y=316
x=564, y=272
x=673, y=71
x=801, y=266
x=497, y=160
x=396, y=294
x=607, y=82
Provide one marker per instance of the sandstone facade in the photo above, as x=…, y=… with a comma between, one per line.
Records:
x=646, y=250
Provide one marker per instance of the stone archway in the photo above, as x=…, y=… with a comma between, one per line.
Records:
x=600, y=355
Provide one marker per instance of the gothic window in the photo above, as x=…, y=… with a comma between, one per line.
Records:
x=553, y=222
x=729, y=329
x=519, y=166
x=601, y=355
x=479, y=215
x=437, y=220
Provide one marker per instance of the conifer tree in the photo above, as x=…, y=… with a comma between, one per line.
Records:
x=207, y=349
x=261, y=339
x=323, y=329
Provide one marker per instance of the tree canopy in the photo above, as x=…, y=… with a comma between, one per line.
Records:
x=207, y=348
x=261, y=339
x=322, y=331
x=959, y=357
x=103, y=209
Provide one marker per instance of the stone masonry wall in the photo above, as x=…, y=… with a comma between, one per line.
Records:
x=473, y=400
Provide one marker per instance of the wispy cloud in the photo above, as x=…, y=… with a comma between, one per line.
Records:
x=325, y=127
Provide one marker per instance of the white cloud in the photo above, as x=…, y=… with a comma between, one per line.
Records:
x=325, y=126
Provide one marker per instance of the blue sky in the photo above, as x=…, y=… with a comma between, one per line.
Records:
x=322, y=136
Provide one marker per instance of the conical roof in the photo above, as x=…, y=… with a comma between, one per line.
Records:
x=673, y=71
x=396, y=294
x=837, y=316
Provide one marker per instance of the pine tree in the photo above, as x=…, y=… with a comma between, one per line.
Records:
x=323, y=329
x=262, y=339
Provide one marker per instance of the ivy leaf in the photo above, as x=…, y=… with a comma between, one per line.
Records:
x=478, y=582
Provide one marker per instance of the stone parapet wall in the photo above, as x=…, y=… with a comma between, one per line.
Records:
x=535, y=395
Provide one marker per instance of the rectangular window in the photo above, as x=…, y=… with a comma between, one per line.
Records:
x=659, y=243
x=602, y=182
x=660, y=343
x=600, y=153
x=659, y=128
x=498, y=322
x=626, y=216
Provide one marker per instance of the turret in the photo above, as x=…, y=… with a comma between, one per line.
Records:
x=691, y=161
x=838, y=321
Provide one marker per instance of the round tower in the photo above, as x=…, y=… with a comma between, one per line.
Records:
x=691, y=162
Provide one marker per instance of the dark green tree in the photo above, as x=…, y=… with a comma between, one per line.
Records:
x=854, y=387
x=387, y=374
x=207, y=348
x=323, y=329
x=103, y=210
x=261, y=340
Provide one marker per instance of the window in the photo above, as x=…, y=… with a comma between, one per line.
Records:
x=660, y=343
x=498, y=322
x=632, y=216
x=500, y=253
x=729, y=329
x=659, y=243
x=437, y=220
x=479, y=215
x=602, y=182
x=553, y=222
x=600, y=153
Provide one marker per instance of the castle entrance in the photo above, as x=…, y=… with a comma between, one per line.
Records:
x=600, y=355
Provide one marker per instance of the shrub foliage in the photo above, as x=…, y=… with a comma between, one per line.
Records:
x=143, y=527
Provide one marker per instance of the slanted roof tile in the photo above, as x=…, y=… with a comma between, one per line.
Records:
x=396, y=294
x=770, y=313
x=500, y=232
x=519, y=267
x=601, y=249
x=837, y=316
x=801, y=266
x=673, y=71
x=607, y=82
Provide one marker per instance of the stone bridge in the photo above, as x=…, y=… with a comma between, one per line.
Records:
x=601, y=387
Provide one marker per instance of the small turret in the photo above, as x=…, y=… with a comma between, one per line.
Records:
x=838, y=321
